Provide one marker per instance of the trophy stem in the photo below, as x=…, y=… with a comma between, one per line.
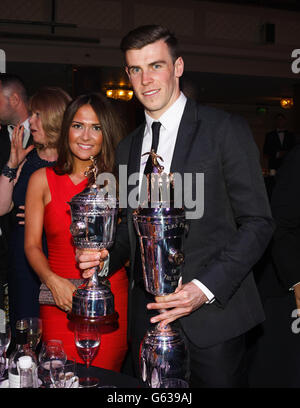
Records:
x=93, y=280
x=166, y=328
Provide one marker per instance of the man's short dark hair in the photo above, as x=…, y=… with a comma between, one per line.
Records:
x=14, y=83
x=148, y=34
x=280, y=116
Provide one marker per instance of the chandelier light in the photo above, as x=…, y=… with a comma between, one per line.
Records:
x=119, y=93
x=286, y=103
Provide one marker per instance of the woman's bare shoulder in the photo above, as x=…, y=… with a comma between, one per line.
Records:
x=39, y=177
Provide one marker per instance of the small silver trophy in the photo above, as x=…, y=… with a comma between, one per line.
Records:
x=161, y=229
x=94, y=218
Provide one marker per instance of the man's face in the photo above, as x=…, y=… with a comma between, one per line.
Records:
x=281, y=122
x=154, y=76
x=6, y=113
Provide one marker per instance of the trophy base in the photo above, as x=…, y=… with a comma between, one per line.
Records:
x=163, y=354
x=106, y=324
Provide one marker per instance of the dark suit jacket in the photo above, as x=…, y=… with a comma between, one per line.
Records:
x=285, y=205
x=7, y=220
x=4, y=146
x=273, y=145
x=222, y=246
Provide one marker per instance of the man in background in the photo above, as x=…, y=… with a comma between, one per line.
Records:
x=277, y=143
x=13, y=111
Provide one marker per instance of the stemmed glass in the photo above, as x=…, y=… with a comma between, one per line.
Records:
x=87, y=340
x=52, y=350
x=173, y=383
x=63, y=375
x=34, y=331
x=5, y=337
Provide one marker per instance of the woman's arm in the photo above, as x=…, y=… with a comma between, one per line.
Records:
x=37, y=197
x=16, y=158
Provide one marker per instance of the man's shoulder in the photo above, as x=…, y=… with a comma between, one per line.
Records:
x=210, y=113
x=217, y=118
x=271, y=133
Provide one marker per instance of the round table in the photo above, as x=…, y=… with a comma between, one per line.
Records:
x=108, y=377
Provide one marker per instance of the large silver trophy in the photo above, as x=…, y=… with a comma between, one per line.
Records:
x=161, y=228
x=94, y=218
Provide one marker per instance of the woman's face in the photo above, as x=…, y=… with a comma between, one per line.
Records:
x=85, y=134
x=36, y=128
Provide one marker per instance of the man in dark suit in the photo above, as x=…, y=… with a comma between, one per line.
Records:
x=275, y=356
x=218, y=301
x=13, y=110
x=277, y=143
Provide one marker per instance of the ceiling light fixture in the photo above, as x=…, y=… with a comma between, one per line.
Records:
x=119, y=93
x=286, y=103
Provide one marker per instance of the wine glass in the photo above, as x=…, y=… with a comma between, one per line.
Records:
x=63, y=375
x=34, y=333
x=51, y=350
x=87, y=340
x=5, y=337
x=174, y=383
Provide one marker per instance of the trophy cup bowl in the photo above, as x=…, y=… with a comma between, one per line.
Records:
x=94, y=219
x=161, y=230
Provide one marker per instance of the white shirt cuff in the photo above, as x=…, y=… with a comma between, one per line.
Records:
x=292, y=288
x=210, y=296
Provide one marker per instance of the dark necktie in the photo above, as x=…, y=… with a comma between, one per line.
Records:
x=155, y=139
x=138, y=272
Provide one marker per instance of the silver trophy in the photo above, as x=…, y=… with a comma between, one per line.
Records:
x=94, y=218
x=161, y=229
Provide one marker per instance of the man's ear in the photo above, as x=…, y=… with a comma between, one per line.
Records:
x=127, y=72
x=179, y=67
x=14, y=99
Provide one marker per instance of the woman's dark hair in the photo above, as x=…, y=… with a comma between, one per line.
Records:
x=112, y=131
x=148, y=34
x=50, y=102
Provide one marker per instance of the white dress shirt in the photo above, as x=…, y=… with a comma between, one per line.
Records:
x=26, y=134
x=170, y=121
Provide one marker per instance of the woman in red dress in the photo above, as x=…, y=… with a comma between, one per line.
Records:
x=90, y=128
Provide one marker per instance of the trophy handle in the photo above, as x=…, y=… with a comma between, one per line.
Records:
x=105, y=270
x=93, y=281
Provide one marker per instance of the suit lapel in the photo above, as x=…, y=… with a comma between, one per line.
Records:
x=186, y=134
x=135, y=152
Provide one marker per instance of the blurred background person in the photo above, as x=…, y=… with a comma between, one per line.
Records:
x=277, y=143
x=13, y=111
x=275, y=349
x=90, y=128
x=47, y=106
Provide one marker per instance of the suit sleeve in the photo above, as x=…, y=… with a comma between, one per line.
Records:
x=250, y=208
x=285, y=206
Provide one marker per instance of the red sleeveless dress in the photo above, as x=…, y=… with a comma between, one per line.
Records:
x=61, y=258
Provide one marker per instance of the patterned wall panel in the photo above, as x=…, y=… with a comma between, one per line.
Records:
x=232, y=27
x=180, y=20
x=95, y=14
x=34, y=10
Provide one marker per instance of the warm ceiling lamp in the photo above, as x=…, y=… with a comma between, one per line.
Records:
x=286, y=103
x=120, y=93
